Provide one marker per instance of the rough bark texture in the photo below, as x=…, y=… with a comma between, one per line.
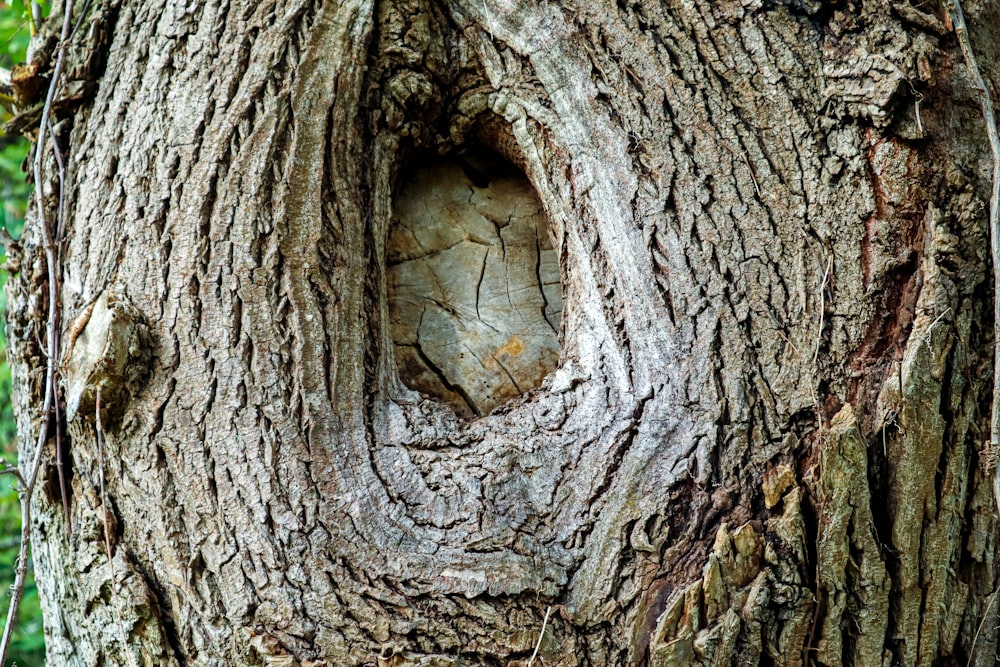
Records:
x=763, y=440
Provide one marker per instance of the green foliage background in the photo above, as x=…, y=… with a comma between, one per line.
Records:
x=27, y=646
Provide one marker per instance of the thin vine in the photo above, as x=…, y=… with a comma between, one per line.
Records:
x=989, y=115
x=27, y=479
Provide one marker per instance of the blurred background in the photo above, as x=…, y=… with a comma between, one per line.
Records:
x=27, y=646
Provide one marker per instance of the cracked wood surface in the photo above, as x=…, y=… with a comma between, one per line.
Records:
x=473, y=288
x=772, y=259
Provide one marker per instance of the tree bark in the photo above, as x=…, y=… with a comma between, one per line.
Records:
x=764, y=440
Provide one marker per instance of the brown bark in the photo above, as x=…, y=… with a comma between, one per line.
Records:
x=763, y=440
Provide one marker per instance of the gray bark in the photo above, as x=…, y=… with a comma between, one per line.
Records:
x=763, y=441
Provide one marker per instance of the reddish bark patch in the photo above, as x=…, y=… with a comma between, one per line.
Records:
x=891, y=249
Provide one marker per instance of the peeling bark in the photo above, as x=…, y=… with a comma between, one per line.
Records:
x=762, y=442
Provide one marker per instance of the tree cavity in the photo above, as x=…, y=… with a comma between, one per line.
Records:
x=474, y=291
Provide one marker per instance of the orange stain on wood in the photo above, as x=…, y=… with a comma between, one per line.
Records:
x=513, y=347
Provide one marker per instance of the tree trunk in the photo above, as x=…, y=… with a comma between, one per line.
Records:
x=763, y=440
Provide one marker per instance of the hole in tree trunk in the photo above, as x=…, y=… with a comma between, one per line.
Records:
x=475, y=298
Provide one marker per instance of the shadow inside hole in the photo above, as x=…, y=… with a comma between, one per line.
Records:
x=475, y=299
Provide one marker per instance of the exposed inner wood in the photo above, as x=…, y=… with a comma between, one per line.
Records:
x=474, y=291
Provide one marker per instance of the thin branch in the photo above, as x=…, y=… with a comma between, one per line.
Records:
x=989, y=115
x=12, y=470
x=79, y=20
x=52, y=333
